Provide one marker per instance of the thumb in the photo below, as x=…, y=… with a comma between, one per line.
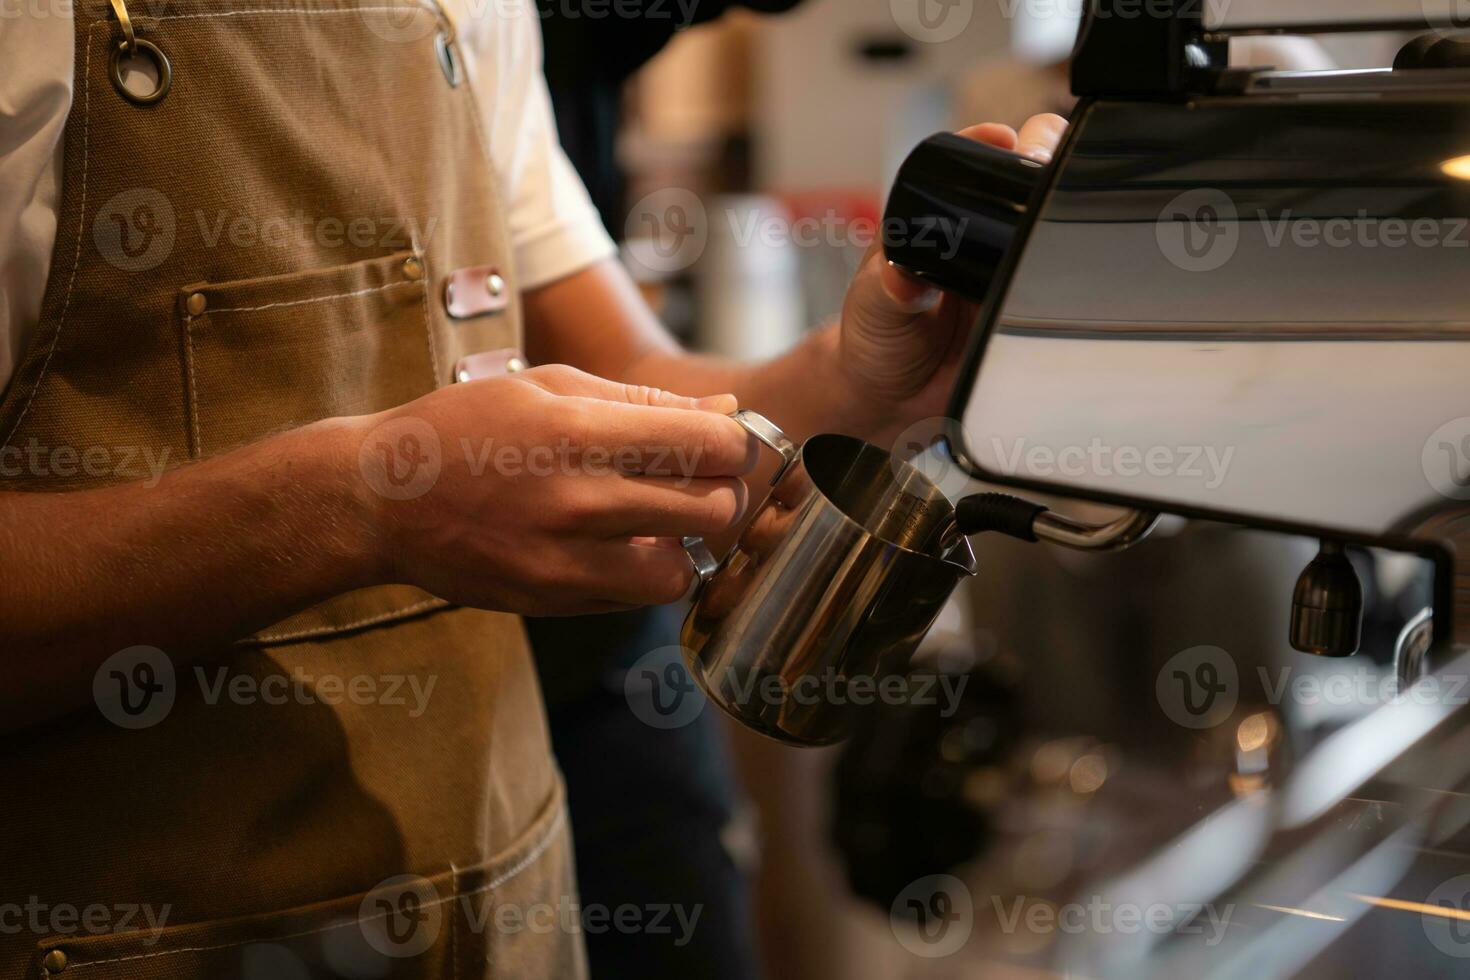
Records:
x=883, y=340
x=884, y=301
x=884, y=297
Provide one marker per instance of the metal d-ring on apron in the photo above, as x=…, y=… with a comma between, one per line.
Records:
x=130, y=47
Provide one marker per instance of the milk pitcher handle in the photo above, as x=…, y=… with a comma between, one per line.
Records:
x=766, y=432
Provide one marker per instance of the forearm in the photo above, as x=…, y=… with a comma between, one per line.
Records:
x=802, y=390
x=212, y=552
x=597, y=321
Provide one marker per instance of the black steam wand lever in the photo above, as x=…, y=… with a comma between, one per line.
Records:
x=954, y=210
x=1030, y=521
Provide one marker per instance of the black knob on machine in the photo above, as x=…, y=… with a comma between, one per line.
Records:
x=954, y=210
x=1327, y=605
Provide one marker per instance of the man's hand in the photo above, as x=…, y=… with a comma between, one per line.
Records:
x=901, y=339
x=549, y=490
x=553, y=491
x=890, y=363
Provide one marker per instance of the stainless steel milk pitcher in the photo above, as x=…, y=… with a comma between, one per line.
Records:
x=835, y=580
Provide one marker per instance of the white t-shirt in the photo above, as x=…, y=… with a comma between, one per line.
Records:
x=554, y=229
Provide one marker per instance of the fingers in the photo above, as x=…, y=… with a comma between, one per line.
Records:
x=639, y=429
x=1040, y=136
x=656, y=507
x=996, y=134
x=561, y=379
x=664, y=441
x=637, y=573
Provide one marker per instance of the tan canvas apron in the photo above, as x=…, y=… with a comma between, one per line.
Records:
x=266, y=246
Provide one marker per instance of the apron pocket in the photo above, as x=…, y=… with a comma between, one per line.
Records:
x=273, y=353
x=514, y=916
x=402, y=929
x=520, y=913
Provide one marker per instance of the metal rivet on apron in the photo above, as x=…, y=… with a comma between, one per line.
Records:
x=515, y=364
x=196, y=304
x=54, y=962
x=130, y=48
x=476, y=290
x=413, y=268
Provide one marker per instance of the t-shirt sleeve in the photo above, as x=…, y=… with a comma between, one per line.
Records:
x=35, y=97
x=554, y=228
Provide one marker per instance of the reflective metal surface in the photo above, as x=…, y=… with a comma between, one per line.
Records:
x=1249, y=307
x=833, y=584
x=1131, y=809
x=1123, y=531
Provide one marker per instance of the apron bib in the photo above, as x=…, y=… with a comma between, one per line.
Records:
x=365, y=789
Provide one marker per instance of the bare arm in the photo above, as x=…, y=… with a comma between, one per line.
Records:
x=891, y=362
x=597, y=320
x=220, y=549
x=212, y=552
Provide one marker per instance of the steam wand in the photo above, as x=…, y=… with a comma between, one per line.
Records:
x=1030, y=521
x=1326, y=607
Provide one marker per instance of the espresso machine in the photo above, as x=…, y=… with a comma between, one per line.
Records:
x=1235, y=298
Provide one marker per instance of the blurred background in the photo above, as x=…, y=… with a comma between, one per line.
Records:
x=742, y=164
